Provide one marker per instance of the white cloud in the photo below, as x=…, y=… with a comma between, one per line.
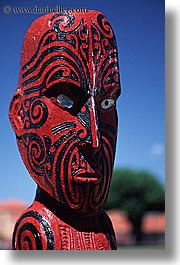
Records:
x=157, y=149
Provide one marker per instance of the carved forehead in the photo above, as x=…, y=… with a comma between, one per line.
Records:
x=78, y=48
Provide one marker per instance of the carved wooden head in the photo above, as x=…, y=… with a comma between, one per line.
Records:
x=64, y=110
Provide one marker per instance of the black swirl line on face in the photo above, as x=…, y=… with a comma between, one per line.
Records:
x=91, y=40
x=66, y=34
x=104, y=161
x=43, y=156
x=67, y=162
x=107, y=72
x=35, y=113
x=54, y=58
x=84, y=118
x=39, y=156
x=106, y=127
x=63, y=191
x=42, y=159
x=63, y=126
x=50, y=39
x=26, y=232
x=78, y=163
x=71, y=60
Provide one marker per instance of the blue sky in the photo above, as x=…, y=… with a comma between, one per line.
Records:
x=139, y=29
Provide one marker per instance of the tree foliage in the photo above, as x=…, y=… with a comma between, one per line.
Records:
x=135, y=192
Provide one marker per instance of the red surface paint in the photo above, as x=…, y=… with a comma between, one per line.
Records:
x=65, y=120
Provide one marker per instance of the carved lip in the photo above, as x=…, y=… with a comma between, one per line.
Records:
x=87, y=178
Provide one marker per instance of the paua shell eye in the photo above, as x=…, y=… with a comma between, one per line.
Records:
x=65, y=101
x=107, y=103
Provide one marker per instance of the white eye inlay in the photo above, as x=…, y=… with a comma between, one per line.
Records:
x=107, y=103
x=66, y=101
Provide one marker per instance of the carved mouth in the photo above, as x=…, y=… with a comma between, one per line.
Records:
x=87, y=178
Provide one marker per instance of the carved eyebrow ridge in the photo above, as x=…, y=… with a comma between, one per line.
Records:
x=115, y=90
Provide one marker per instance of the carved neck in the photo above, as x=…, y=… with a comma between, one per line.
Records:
x=66, y=214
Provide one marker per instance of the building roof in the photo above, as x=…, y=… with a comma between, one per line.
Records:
x=154, y=223
x=120, y=221
x=11, y=205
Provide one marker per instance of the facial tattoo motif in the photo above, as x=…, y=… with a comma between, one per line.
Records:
x=64, y=110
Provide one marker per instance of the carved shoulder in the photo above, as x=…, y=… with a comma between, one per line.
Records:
x=36, y=229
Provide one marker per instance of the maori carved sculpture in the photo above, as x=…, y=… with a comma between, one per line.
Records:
x=64, y=117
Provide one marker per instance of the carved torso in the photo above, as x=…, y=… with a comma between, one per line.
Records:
x=50, y=226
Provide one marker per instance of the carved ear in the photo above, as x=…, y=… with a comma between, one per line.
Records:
x=15, y=113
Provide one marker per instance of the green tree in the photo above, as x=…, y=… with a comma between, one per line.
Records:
x=135, y=192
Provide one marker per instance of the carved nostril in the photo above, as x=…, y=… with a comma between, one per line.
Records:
x=87, y=149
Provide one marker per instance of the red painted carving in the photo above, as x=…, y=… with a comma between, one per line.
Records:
x=64, y=117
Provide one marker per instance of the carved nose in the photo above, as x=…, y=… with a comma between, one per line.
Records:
x=89, y=119
x=94, y=124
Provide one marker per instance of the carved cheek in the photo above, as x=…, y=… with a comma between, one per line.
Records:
x=61, y=151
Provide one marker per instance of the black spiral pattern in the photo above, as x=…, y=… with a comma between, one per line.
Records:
x=28, y=233
x=35, y=113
